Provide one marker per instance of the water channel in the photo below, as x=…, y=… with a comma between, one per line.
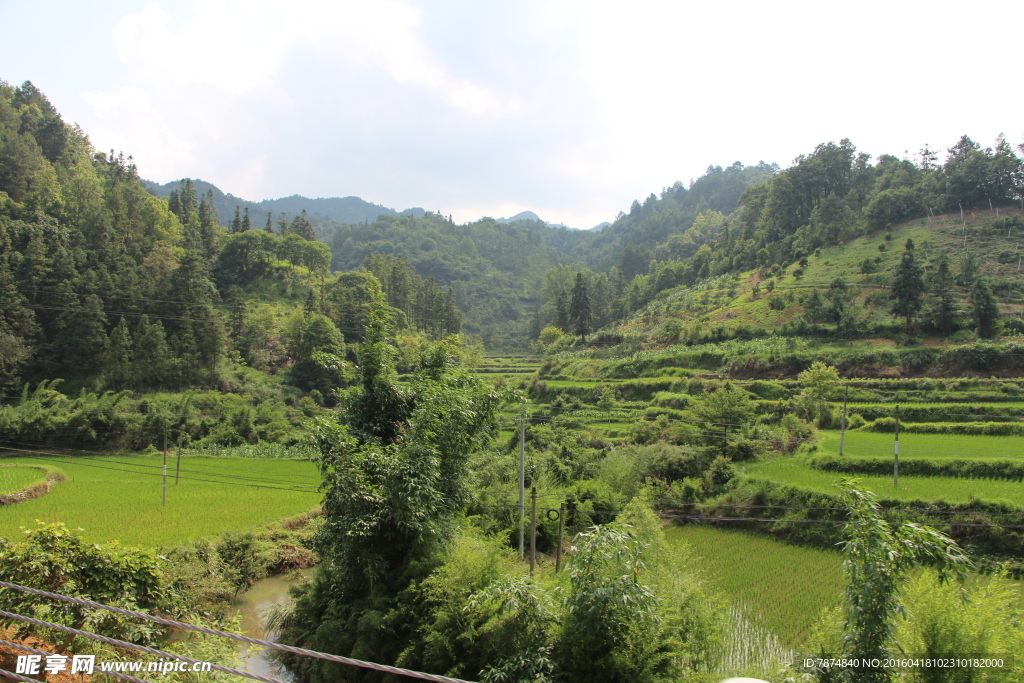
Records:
x=252, y=606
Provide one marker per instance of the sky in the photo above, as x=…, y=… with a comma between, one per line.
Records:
x=567, y=108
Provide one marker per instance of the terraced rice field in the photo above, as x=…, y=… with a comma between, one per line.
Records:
x=119, y=498
x=779, y=587
x=15, y=479
x=949, y=489
x=934, y=446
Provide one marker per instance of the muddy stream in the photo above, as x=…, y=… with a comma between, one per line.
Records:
x=252, y=605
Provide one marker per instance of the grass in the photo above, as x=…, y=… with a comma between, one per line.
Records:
x=780, y=587
x=949, y=489
x=15, y=479
x=934, y=446
x=119, y=498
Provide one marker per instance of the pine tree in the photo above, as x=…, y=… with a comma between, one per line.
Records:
x=945, y=310
x=303, y=228
x=986, y=309
x=561, y=312
x=236, y=222
x=269, y=227
x=246, y=221
x=907, y=289
x=152, y=354
x=580, y=315
x=118, y=356
x=208, y=218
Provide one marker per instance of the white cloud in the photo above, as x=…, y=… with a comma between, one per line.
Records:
x=129, y=122
x=564, y=107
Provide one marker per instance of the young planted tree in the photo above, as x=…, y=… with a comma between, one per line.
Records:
x=907, y=290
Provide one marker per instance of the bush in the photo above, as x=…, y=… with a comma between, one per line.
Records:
x=776, y=303
x=868, y=266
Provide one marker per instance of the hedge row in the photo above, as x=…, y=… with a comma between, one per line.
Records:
x=935, y=413
x=887, y=425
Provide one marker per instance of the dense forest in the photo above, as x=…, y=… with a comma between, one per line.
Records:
x=107, y=286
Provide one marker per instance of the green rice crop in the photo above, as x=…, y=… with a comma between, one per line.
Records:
x=935, y=446
x=780, y=587
x=119, y=498
x=19, y=478
x=271, y=451
x=948, y=489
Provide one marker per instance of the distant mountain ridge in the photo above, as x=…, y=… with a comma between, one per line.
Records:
x=343, y=209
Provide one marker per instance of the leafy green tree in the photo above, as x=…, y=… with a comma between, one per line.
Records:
x=986, y=309
x=302, y=227
x=818, y=382
x=728, y=406
x=394, y=477
x=877, y=561
x=318, y=349
x=907, y=292
x=611, y=633
x=580, y=314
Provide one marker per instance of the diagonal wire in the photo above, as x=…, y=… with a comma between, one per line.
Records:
x=209, y=631
x=26, y=648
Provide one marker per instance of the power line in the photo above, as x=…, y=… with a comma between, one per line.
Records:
x=43, y=653
x=158, y=474
x=202, y=629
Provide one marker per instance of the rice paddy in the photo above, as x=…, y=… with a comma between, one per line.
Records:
x=15, y=479
x=952, y=490
x=119, y=497
x=779, y=587
x=934, y=446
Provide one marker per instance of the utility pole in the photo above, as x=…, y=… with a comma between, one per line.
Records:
x=533, y=529
x=522, y=484
x=165, y=462
x=896, y=451
x=177, y=467
x=561, y=528
x=842, y=427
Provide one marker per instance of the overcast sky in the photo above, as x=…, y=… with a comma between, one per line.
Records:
x=569, y=109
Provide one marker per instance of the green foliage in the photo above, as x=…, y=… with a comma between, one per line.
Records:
x=394, y=476
x=53, y=558
x=729, y=406
x=819, y=382
x=877, y=561
x=986, y=309
x=943, y=618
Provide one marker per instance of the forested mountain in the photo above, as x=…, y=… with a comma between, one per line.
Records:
x=760, y=221
x=106, y=286
x=344, y=209
x=109, y=286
